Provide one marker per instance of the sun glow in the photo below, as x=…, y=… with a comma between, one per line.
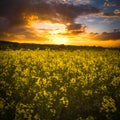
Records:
x=49, y=26
x=52, y=31
x=58, y=39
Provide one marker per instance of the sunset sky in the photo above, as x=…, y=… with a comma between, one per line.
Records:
x=69, y=22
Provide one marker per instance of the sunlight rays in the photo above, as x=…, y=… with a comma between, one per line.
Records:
x=52, y=31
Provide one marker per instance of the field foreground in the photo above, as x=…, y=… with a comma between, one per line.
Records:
x=60, y=85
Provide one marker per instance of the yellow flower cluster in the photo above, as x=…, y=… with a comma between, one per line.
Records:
x=59, y=84
x=108, y=104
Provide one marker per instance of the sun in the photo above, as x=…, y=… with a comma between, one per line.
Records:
x=56, y=36
x=58, y=39
x=54, y=32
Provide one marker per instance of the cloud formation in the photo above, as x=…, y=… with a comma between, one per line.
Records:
x=15, y=10
x=115, y=35
x=111, y=9
x=76, y=28
x=18, y=16
x=107, y=3
x=114, y=14
x=117, y=12
x=23, y=34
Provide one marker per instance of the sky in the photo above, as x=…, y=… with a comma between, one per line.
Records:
x=68, y=22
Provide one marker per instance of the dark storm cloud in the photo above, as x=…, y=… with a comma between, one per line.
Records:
x=15, y=13
x=21, y=33
x=13, y=10
x=76, y=28
x=115, y=14
x=3, y=23
x=115, y=35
